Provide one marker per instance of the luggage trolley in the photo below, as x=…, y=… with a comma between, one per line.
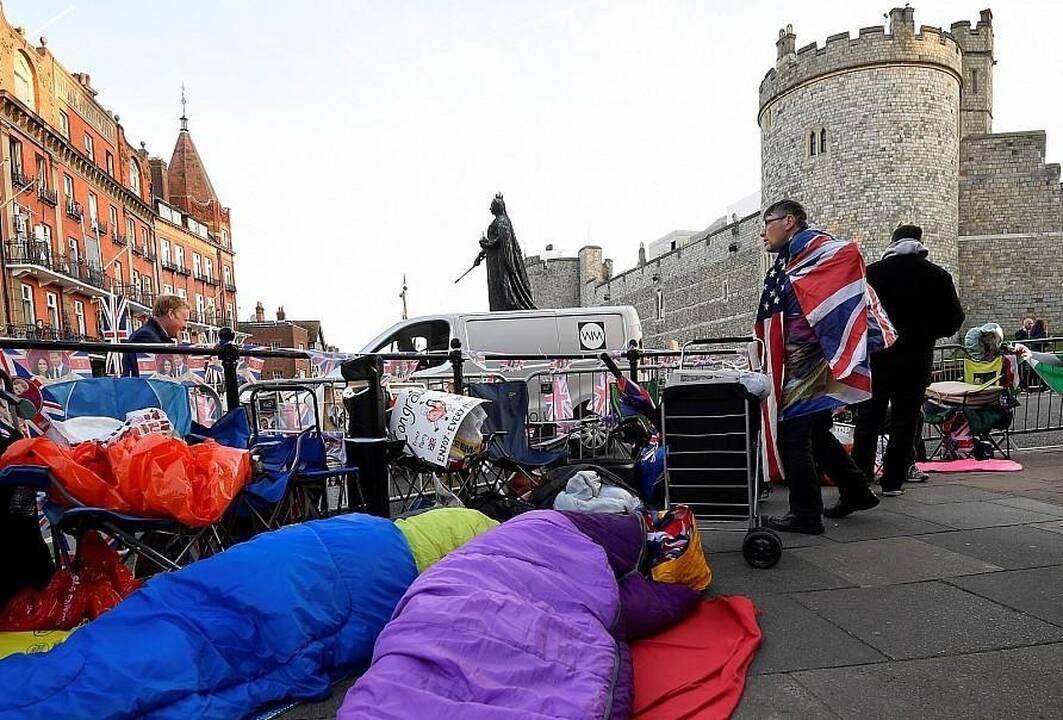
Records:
x=710, y=425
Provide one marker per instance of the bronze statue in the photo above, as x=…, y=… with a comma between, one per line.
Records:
x=507, y=279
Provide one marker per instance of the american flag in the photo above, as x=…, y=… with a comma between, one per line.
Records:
x=114, y=310
x=828, y=283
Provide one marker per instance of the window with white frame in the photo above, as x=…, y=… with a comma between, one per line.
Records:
x=200, y=306
x=16, y=156
x=167, y=289
x=68, y=186
x=112, y=214
x=660, y=304
x=179, y=256
x=164, y=249
x=90, y=149
x=186, y=336
x=27, y=304
x=183, y=294
x=24, y=85
x=229, y=312
x=196, y=263
x=118, y=271
x=110, y=164
x=228, y=272
x=74, y=255
x=94, y=209
x=134, y=175
x=79, y=316
x=136, y=278
x=22, y=222
x=145, y=285
x=52, y=302
x=208, y=268
x=225, y=237
x=43, y=235
x=130, y=229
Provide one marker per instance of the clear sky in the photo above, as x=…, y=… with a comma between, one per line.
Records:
x=357, y=141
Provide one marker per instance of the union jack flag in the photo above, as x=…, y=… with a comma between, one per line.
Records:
x=114, y=310
x=824, y=279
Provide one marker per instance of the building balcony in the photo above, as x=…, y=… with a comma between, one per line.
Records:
x=118, y=238
x=48, y=197
x=137, y=250
x=100, y=228
x=203, y=277
x=73, y=210
x=230, y=287
x=182, y=270
x=19, y=180
x=37, y=332
x=135, y=294
x=207, y=318
x=149, y=253
x=39, y=260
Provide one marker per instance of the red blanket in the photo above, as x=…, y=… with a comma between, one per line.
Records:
x=697, y=669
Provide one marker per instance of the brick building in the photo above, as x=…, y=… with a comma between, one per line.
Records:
x=284, y=333
x=79, y=218
x=891, y=126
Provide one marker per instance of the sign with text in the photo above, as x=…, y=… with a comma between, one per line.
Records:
x=439, y=428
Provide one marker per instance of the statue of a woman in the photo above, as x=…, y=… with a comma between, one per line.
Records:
x=507, y=279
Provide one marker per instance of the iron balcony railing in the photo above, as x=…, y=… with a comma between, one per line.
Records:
x=135, y=293
x=203, y=277
x=46, y=196
x=137, y=250
x=19, y=180
x=45, y=332
x=230, y=287
x=118, y=238
x=42, y=255
x=99, y=227
x=73, y=210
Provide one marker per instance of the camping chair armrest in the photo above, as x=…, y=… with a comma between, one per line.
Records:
x=331, y=472
x=34, y=476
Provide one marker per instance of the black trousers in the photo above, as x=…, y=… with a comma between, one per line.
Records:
x=806, y=446
x=902, y=393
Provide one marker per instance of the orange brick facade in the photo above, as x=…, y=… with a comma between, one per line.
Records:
x=81, y=216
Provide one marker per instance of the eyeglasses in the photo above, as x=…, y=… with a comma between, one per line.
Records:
x=769, y=221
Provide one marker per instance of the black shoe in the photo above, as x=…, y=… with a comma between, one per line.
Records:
x=792, y=523
x=848, y=507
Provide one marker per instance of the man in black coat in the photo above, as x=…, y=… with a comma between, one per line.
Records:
x=920, y=298
x=169, y=317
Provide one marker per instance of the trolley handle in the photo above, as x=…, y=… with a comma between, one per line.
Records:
x=761, y=356
x=611, y=365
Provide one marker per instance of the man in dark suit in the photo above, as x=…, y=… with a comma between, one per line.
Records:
x=920, y=298
x=168, y=319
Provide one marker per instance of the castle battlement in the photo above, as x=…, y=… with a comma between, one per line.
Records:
x=976, y=39
x=873, y=46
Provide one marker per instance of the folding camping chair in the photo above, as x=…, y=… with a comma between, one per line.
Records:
x=164, y=543
x=510, y=454
x=982, y=402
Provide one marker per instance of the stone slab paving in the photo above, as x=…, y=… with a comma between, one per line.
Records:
x=1013, y=548
x=1037, y=591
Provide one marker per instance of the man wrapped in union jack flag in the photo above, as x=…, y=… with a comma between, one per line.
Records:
x=819, y=321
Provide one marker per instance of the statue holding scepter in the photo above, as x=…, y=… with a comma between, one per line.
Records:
x=508, y=287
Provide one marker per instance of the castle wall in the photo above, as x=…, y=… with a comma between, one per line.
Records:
x=1006, y=187
x=865, y=133
x=554, y=283
x=708, y=288
x=1008, y=277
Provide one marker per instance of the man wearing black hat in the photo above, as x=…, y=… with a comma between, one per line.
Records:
x=920, y=298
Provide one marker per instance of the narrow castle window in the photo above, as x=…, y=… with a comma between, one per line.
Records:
x=823, y=141
x=974, y=81
x=812, y=143
x=660, y=304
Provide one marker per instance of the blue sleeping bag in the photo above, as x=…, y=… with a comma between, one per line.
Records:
x=281, y=616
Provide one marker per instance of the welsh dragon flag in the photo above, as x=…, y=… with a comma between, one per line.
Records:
x=1050, y=367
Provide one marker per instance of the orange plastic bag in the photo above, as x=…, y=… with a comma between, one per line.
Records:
x=149, y=475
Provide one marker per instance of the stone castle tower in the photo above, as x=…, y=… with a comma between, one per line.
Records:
x=866, y=131
x=892, y=126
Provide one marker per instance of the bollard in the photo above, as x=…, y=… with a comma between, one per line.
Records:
x=367, y=433
x=230, y=357
x=632, y=356
x=457, y=366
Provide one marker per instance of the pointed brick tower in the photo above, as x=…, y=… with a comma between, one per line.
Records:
x=188, y=186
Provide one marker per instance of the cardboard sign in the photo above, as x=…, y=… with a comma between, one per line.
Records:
x=434, y=424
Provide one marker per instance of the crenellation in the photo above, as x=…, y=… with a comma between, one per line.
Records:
x=838, y=39
x=807, y=49
x=875, y=31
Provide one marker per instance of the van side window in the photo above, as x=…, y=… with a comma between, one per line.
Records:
x=429, y=336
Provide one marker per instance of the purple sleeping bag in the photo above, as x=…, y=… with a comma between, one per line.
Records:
x=525, y=621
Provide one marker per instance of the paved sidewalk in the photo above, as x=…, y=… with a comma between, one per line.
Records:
x=944, y=603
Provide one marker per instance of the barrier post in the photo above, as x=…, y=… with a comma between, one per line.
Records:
x=230, y=357
x=367, y=433
x=632, y=355
x=457, y=366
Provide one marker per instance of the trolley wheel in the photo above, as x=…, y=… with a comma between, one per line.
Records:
x=762, y=548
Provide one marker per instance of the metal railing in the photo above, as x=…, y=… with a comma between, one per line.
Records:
x=118, y=238
x=46, y=332
x=46, y=196
x=73, y=210
x=19, y=180
x=204, y=277
x=42, y=255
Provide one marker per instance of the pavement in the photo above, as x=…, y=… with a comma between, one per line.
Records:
x=944, y=603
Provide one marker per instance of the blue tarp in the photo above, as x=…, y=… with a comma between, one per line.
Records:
x=281, y=616
x=114, y=397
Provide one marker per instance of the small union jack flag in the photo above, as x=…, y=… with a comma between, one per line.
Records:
x=115, y=315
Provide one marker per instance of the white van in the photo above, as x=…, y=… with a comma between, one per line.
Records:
x=585, y=330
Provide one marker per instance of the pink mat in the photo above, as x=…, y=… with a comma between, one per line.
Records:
x=970, y=465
